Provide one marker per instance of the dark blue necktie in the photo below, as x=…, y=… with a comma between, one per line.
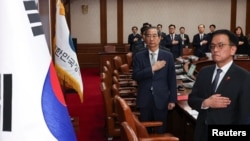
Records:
x=216, y=79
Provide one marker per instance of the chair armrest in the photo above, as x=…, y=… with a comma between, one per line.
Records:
x=136, y=113
x=130, y=99
x=152, y=123
x=126, y=79
x=125, y=75
x=114, y=115
x=130, y=88
x=127, y=84
x=127, y=94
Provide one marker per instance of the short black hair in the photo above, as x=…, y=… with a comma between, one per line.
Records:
x=201, y=25
x=171, y=25
x=182, y=27
x=152, y=27
x=134, y=27
x=232, y=36
x=146, y=24
x=159, y=25
x=213, y=25
x=143, y=29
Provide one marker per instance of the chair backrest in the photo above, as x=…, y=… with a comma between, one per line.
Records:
x=106, y=76
x=115, y=89
x=122, y=109
x=109, y=48
x=109, y=66
x=117, y=62
x=108, y=100
x=187, y=51
x=141, y=129
x=125, y=114
x=112, y=129
x=127, y=47
x=129, y=59
x=116, y=81
x=125, y=69
x=117, y=74
x=127, y=133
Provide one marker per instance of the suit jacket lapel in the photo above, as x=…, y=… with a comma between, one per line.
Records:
x=160, y=55
x=158, y=58
x=147, y=60
x=226, y=77
x=209, y=78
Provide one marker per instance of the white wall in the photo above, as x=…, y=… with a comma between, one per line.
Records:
x=85, y=27
x=187, y=13
x=241, y=14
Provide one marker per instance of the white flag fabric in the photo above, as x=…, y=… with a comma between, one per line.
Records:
x=32, y=106
x=66, y=61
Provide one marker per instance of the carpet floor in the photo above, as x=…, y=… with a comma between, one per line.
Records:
x=89, y=115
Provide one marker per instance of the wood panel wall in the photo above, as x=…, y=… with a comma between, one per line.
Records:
x=88, y=53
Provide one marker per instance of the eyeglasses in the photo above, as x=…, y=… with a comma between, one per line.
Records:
x=219, y=46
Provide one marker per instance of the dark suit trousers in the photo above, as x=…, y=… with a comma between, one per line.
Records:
x=151, y=113
x=202, y=133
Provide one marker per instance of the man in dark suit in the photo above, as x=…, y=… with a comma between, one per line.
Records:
x=157, y=82
x=163, y=35
x=134, y=37
x=141, y=45
x=200, y=42
x=184, y=38
x=227, y=102
x=173, y=42
x=212, y=28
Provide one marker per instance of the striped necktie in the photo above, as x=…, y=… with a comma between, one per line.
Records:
x=216, y=79
x=182, y=37
x=152, y=58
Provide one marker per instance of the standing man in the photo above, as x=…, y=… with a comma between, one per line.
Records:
x=200, y=42
x=163, y=35
x=133, y=37
x=212, y=28
x=173, y=42
x=140, y=45
x=184, y=38
x=154, y=70
x=221, y=99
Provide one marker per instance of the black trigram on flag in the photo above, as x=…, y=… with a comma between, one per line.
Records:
x=6, y=89
x=34, y=17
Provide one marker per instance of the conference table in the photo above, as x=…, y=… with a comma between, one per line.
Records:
x=182, y=119
x=245, y=63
